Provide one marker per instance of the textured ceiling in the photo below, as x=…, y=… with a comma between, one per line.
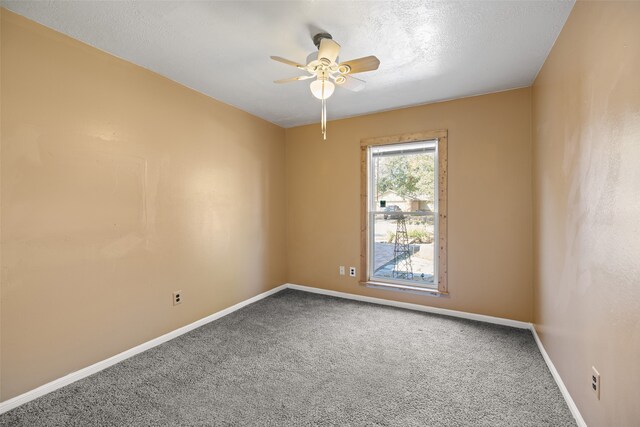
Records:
x=429, y=51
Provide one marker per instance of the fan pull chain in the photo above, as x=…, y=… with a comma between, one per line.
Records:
x=324, y=114
x=324, y=119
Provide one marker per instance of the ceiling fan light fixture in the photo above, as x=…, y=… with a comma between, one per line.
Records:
x=344, y=69
x=317, y=87
x=340, y=80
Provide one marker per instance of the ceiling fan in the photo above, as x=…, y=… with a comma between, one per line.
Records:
x=328, y=73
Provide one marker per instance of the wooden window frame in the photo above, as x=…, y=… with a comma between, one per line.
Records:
x=365, y=144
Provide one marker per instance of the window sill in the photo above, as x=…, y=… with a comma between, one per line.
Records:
x=405, y=288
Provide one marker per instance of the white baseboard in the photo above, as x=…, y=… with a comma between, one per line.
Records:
x=556, y=376
x=7, y=405
x=415, y=307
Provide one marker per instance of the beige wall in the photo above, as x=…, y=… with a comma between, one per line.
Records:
x=586, y=105
x=489, y=201
x=119, y=187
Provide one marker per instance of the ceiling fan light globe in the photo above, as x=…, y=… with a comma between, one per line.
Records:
x=344, y=69
x=316, y=88
x=340, y=80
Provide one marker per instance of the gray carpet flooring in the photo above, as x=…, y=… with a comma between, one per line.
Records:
x=297, y=358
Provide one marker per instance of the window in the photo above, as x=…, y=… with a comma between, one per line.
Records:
x=404, y=187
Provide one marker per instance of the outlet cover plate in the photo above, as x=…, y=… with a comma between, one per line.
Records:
x=595, y=382
x=177, y=297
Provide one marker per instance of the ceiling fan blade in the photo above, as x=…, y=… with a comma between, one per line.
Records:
x=360, y=65
x=293, y=79
x=329, y=49
x=286, y=61
x=351, y=83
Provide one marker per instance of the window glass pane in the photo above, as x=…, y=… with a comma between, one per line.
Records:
x=403, y=180
x=403, y=248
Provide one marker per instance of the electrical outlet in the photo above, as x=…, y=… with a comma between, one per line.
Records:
x=352, y=271
x=342, y=271
x=177, y=297
x=595, y=382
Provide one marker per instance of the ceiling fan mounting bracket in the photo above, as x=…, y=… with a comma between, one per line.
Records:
x=318, y=38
